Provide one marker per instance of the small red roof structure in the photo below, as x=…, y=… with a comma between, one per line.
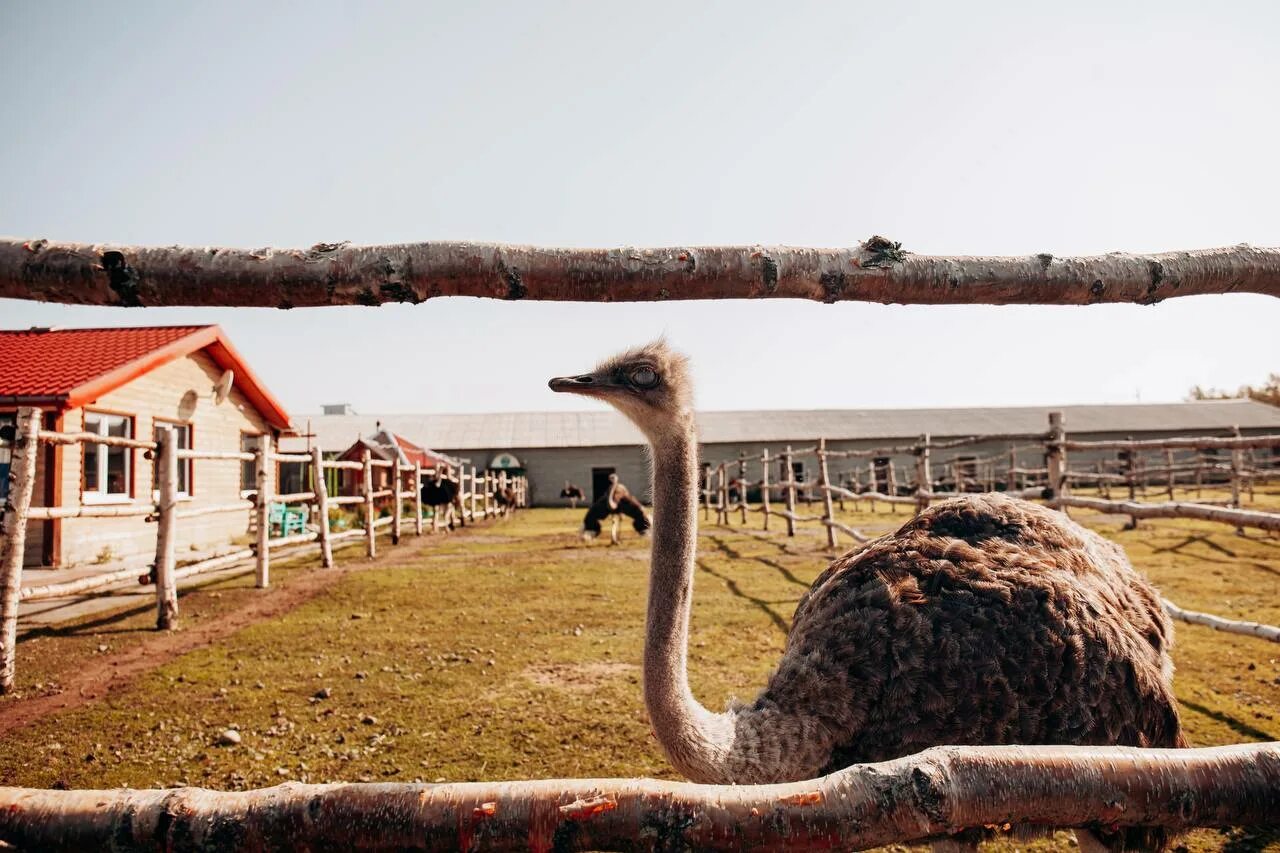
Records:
x=384, y=444
x=415, y=454
x=68, y=368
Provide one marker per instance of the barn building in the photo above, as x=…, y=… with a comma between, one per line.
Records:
x=131, y=382
x=585, y=447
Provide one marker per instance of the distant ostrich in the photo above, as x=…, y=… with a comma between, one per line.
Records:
x=442, y=491
x=505, y=498
x=573, y=493
x=983, y=620
x=613, y=504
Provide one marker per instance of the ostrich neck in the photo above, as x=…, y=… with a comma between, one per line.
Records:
x=697, y=741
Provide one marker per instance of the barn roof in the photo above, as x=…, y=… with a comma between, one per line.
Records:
x=67, y=368
x=517, y=430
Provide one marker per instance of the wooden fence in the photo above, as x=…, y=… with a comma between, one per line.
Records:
x=167, y=512
x=726, y=488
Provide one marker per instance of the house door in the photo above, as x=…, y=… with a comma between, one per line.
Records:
x=600, y=482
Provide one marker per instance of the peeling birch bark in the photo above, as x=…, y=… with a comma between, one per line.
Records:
x=876, y=270
x=938, y=791
x=1226, y=515
x=1218, y=623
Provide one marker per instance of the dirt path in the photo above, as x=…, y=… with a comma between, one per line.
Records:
x=112, y=673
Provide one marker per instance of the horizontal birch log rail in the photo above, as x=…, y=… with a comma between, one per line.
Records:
x=291, y=457
x=44, y=513
x=1188, y=443
x=88, y=583
x=928, y=795
x=214, y=509
x=1239, y=517
x=856, y=534
x=95, y=438
x=1218, y=623
x=344, y=464
x=344, y=500
x=184, y=453
x=876, y=270
x=293, y=497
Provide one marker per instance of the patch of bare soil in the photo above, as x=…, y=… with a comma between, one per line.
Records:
x=578, y=677
x=106, y=674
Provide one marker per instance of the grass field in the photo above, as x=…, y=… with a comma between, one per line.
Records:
x=512, y=651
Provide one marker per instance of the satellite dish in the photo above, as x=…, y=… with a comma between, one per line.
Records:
x=222, y=388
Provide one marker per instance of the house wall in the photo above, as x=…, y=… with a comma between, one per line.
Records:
x=178, y=391
x=549, y=468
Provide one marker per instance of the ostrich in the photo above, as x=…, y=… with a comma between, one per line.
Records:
x=572, y=492
x=983, y=620
x=622, y=504
x=505, y=498
x=443, y=490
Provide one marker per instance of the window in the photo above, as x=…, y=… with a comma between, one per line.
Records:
x=797, y=472
x=248, y=467
x=181, y=440
x=108, y=471
x=291, y=477
x=8, y=426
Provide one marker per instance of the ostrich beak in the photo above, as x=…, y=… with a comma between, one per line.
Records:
x=587, y=384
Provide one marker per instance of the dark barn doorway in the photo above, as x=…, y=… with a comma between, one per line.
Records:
x=600, y=482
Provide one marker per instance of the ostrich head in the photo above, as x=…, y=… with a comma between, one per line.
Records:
x=648, y=384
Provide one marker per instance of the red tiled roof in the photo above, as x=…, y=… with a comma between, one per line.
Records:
x=416, y=454
x=71, y=367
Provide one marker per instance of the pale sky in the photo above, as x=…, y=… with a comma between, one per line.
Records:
x=974, y=128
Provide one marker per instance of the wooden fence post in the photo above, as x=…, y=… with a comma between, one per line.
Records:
x=1237, y=467
x=824, y=481
x=474, y=496
x=166, y=458
x=791, y=491
x=417, y=498
x=396, y=476
x=764, y=487
x=321, y=488
x=872, y=485
x=262, y=459
x=706, y=493
x=1168, y=472
x=486, y=502
x=435, y=510
x=923, y=477
x=742, y=484
x=722, y=496
x=1130, y=469
x=893, y=485
x=370, y=534
x=22, y=480
x=1055, y=460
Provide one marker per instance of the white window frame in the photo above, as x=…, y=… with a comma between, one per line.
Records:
x=99, y=496
x=249, y=493
x=183, y=464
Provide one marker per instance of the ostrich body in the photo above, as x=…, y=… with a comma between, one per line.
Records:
x=505, y=499
x=444, y=491
x=571, y=492
x=983, y=620
x=624, y=504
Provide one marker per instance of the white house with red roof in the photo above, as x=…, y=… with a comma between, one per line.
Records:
x=132, y=382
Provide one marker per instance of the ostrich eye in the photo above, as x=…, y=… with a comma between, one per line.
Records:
x=644, y=377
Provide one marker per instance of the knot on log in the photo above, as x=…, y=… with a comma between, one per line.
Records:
x=930, y=791
x=882, y=252
x=122, y=278
x=582, y=809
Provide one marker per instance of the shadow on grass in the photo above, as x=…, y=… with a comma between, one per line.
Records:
x=766, y=606
x=732, y=553
x=1237, y=726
